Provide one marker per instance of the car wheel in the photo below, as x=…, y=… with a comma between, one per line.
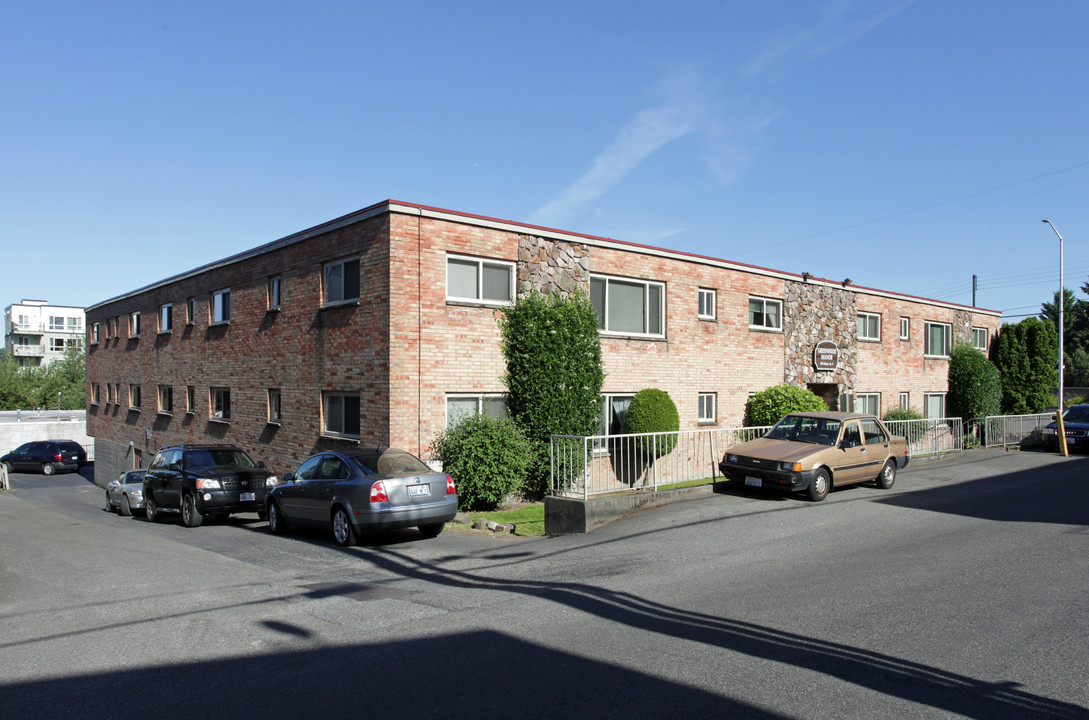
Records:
x=151, y=510
x=888, y=475
x=343, y=532
x=432, y=530
x=124, y=507
x=109, y=506
x=819, y=486
x=191, y=516
x=276, y=522
x=48, y=469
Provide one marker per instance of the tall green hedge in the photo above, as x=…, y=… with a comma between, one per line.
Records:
x=653, y=411
x=769, y=406
x=554, y=372
x=975, y=387
x=1027, y=357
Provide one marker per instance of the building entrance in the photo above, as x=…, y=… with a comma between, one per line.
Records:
x=829, y=392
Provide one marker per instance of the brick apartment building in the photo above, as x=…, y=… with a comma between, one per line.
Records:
x=379, y=327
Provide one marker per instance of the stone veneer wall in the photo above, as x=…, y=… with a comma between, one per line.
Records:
x=812, y=313
x=962, y=327
x=549, y=266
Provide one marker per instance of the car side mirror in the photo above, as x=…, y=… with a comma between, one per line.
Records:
x=288, y=477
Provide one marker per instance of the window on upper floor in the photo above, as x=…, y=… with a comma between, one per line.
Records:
x=94, y=334
x=274, y=292
x=489, y=282
x=340, y=282
x=221, y=306
x=219, y=403
x=765, y=314
x=274, y=406
x=56, y=344
x=166, y=399
x=134, y=397
x=134, y=325
x=56, y=322
x=190, y=311
x=75, y=324
x=938, y=339
x=869, y=326
x=96, y=393
x=628, y=307
x=707, y=304
x=979, y=338
x=905, y=328
x=166, y=318
x=190, y=399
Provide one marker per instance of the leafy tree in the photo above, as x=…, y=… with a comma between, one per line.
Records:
x=975, y=387
x=769, y=406
x=653, y=411
x=487, y=458
x=554, y=372
x=1026, y=355
x=33, y=386
x=1075, y=331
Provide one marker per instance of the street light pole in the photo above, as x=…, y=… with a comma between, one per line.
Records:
x=1061, y=430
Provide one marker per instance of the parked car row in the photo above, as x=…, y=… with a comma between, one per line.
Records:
x=350, y=492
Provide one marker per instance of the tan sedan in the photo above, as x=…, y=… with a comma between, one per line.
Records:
x=813, y=452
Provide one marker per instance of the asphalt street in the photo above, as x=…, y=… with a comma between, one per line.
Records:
x=960, y=592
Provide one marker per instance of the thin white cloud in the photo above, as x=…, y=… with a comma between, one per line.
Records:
x=841, y=22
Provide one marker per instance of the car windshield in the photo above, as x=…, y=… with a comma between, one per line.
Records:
x=214, y=457
x=391, y=462
x=1078, y=413
x=800, y=428
x=134, y=478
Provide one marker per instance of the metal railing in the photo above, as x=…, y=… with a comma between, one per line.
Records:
x=593, y=465
x=598, y=464
x=1020, y=430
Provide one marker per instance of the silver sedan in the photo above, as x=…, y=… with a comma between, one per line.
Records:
x=126, y=493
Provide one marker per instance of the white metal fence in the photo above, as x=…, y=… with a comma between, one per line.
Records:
x=1020, y=430
x=594, y=465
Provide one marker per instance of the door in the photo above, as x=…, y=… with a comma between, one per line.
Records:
x=853, y=455
x=297, y=500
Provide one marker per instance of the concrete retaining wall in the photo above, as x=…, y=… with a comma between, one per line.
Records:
x=571, y=516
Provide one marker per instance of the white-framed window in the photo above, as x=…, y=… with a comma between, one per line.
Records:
x=480, y=281
x=221, y=306
x=460, y=406
x=166, y=399
x=706, y=408
x=190, y=399
x=340, y=282
x=166, y=318
x=905, y=328
x=56, y=344
x=134, y=397
x=868, y=403
x=75, y=324
x=341, y=413
x=869, y=326
x=94, y=334
x=274, y=292
x=979, y=338
x=219, y=403
x=190, y=311
x=765, y=314
x=905, y=401
x=274, y=415
x=628, y=307
x=938, y=339
x=614, y=410
x=707, y=304
x=134, y=324
x=934, y=405
x=56, y=322
x=96, y=393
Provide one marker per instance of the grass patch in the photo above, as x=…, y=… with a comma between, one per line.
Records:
x=686, y=483
x=528, y=521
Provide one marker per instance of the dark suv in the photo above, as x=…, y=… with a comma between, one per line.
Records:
x=205, y=481
x=49, y=456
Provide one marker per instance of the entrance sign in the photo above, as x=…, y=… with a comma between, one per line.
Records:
x=825, y=356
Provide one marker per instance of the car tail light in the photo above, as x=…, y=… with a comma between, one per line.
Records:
x=450, y=489
x=378, y=492
x=58, y=457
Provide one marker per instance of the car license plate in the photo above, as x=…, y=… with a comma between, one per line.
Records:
x=753, y=481
x=419, y=490
x=246, y=497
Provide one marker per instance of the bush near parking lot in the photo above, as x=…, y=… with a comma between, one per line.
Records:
x=1026, y=355
x=487, y=458
x=769, y=406
x=975, y=387
x=653, y=411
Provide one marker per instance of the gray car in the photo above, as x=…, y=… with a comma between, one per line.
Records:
x=126, y=493
x=360, y=490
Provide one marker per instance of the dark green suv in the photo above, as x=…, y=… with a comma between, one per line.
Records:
x=205, y=481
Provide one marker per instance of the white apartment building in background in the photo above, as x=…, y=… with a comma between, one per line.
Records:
x=37, y=333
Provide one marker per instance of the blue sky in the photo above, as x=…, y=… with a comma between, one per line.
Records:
x=906, y=145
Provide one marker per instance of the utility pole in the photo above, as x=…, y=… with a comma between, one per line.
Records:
x=974, y=284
